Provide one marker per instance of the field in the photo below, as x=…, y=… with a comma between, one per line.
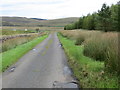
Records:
x=31, y=28
x=93, y=57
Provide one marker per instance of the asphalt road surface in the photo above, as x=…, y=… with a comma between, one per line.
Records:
x=43, y=67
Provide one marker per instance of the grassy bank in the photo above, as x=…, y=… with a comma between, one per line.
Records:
x=89, y=72
x=12, y=43
x=11, y=56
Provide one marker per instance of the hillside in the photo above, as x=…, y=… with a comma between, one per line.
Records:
x=23, y=21
x=38, y=19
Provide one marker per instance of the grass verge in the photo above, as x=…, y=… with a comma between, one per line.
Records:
x=11, y=56
x=89, y=72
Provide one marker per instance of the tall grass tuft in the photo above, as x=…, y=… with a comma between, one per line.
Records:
x=104, y=48
x=95, y=48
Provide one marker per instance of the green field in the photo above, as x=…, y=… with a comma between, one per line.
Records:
x=30, y=29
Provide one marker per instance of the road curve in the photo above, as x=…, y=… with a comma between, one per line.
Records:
x=40, y=67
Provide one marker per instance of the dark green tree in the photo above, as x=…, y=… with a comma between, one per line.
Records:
x=64, y=27
x=114, y=17
x=118, y=15
x=80, y=22
x=37, y=30
x=104, y=17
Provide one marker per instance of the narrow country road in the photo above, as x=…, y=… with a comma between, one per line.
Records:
x=39, y=68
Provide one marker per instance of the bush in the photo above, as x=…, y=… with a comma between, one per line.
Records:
x=112, y=62
x=95, y=48
x=80, y=39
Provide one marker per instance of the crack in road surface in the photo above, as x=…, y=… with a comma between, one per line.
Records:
x=42, y=67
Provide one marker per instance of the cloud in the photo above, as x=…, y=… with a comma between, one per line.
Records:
x=51, y=9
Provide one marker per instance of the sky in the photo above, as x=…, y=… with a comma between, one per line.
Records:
x=51, y=9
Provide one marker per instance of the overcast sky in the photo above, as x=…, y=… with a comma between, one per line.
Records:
x=51, y=9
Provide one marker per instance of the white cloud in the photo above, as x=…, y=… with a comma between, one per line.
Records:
x=51, y=9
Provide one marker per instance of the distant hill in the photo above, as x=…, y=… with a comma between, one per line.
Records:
x=38, y=19
x=23, y=21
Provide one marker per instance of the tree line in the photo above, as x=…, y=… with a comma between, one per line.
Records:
x=106, y=19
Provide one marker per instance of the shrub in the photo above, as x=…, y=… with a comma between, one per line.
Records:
x=80, y=39
x=112, y=62
x=95, y=48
